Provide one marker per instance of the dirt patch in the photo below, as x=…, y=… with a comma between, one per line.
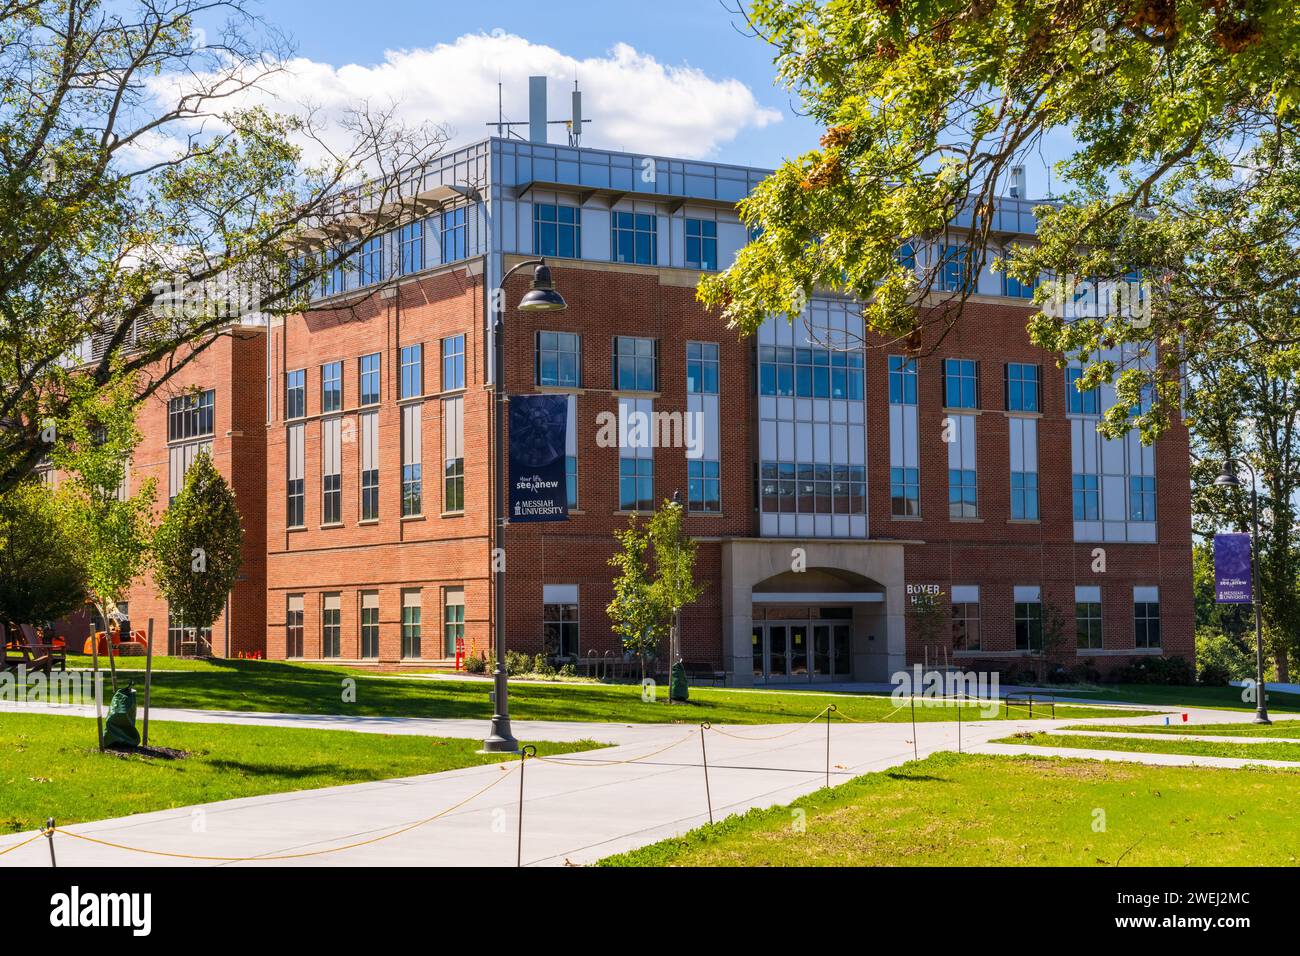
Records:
x=1078, y=769
x=155, y=753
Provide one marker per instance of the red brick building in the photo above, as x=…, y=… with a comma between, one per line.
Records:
x=214, y=403
x=826, y=495
x=828, y=485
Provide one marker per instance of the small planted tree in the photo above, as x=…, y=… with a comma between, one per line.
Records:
x=636, y=612
x=196, y=551
x=42, y=576
x=930, y=621
x=674, y=562
x=1057, y=634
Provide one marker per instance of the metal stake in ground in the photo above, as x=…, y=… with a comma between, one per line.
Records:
x=704, y=754
x=49, y=838
x=829, y=710
x=148, y=682
x=959, y=696
x=915, y=754
x=524, y=753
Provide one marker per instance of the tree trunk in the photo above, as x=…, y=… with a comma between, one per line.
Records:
x=1283, y=666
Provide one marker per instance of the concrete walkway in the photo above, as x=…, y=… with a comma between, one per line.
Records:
x=577, y=809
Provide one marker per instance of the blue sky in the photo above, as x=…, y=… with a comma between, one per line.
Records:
x=694, y=33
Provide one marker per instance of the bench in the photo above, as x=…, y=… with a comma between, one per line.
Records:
x=700, y=672
x=23, y=648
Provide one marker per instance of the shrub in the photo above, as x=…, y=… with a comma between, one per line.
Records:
x=518, y=662
x=1157, y=670
x=542, y=666
x=569, y=670
x=476, y=663
x=1220, y=659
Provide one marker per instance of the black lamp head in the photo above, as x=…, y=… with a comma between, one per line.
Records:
x=541, y=296
x=1227, y=477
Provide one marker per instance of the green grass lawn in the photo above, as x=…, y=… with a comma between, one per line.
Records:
x=277, y=686
x=1224, y=698
x=973, y=810
x=1161, y=745
x=50, y=765
x=1282, y=728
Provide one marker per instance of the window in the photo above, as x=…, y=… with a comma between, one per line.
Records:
x=295, y=394
x=454, y=240
x=701, y=244
x=331, y=625
x=1077, y=402
x=954, y=271
x=293, y=627
x=411, y=368
x=704, y=488
x=571, y=479
x=906, y=256
x=635, y=238
x=809, y=373
x=559, y=360
x=634, y=364
x=410, y=247
x=1087, y=619
x=905, y=492
x=369, y=624
x=412, y=461
x=372, y=262
x=1029, y=622
x=369, y=466
x=331, y=471
x=368, y=366
x=1022, y=387
x=557, y=231
x=560, y=620
x=331, y=387
x=179, y=459
x=1015, y=289
x=1146, y=618
x=966, y=618
x=296, y=501
x=1024, y=495
x=1086, y=498
x=702, y=368
x=962, y=496
x=812, y=489
x=960, y=383
x=453, y=363
x=191, y=416
x=902, y=380
x=411, y=612
x=453, y=620
x=1141, y=498
x=453, y=470
x=636, y=484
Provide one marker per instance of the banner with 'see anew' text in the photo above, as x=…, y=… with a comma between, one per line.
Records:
x=1232, y=568
x=538, y=489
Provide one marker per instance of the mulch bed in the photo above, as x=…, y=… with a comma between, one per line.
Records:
x=159, y=753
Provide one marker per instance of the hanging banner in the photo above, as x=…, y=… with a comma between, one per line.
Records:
x=538, y=490
x=1232, y=569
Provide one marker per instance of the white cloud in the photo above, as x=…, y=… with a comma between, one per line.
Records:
x=635, y=102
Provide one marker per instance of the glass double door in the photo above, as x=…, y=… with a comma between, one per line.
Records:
x=791, y=651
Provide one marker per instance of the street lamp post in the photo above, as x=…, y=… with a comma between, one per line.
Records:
x=1228, y=479
x=541, y=297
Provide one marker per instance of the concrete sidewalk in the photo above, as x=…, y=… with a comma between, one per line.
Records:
x=577, y=809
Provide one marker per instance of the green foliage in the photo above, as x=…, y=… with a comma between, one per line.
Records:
x=196, y=552
x=635, y=612
x=517, y=662
x=477, y=663
x=1157, y=670
x=41, y=573
x=112, y=529
x=646, y=594
x=1221, y=658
